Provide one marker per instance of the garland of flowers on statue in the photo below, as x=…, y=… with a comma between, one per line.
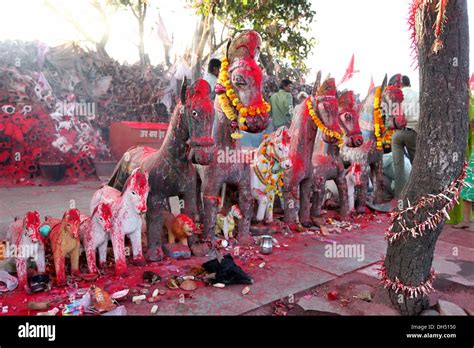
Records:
x=379, y=126
x=230, y=103
x=319, y=124
x=397, y=285
x=271, y=184
x=447, y=199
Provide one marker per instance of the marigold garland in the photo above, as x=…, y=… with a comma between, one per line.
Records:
x=275, y=185
x=319, y=124
x=230, y=103
x=379, y=126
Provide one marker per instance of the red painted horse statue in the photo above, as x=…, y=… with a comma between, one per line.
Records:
x=239, y=106
x=330, y=166
x=127, y=208
x=317, y=113
x=25, y=236
x=370, y=154
x=95, y=231
x=65, y=242
x=187, y=141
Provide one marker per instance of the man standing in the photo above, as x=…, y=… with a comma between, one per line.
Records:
x=405, y=138
x=212, y=73
x=282, y=105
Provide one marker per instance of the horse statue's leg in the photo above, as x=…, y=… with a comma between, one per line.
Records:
x=136, y=241
x=262, y=199
x=211, y=189
x=59, y=265
x=245, y=205
x=318, y=196
x=102, y=254
x=90, y=252
x=21, y=272
x=269, y=209
x=306, y=192
x=361, y=194
x=74, y=255
x=154, y=222
x=377, y=180
x=118, y=244
x=40, y=259
x=190, y=199
x=341, y=184
x=291, y=198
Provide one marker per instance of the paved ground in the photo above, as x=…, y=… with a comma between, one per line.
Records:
x=300, y=272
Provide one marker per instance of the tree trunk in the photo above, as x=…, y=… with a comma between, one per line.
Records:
x=441, y=143
x=141, y=29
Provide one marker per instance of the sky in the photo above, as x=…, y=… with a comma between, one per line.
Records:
x=375, y=31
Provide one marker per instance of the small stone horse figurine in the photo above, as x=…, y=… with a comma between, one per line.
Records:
x=270, y=162
x=385, y=105
x=65, y=242
x=94, y=232
x=330, y=166
x=354, y=182
x=188, y=140
x=226, y=223
x=127, y=208
x=25, y=236
x=239, y=106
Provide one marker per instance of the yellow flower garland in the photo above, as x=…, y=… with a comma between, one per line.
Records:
x=229, y=101
x=319, y=124
x=379, y=127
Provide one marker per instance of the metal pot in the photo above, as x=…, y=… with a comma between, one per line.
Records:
x=266, y=245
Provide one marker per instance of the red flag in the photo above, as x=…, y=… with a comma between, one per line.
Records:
x=349, y=71
x=471, y=82
x=372, y=86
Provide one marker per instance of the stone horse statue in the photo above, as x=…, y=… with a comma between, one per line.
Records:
x=318, y=113
x=25, y=235
x=239, y=106
x=330, y=166
x=387, y=100
x=171, y=173
x=267, y=171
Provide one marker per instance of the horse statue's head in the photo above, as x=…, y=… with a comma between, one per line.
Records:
x=241, y=84
x=391, y=98
x=71, y=222
x=349, y=119
x=198, y=113
x=103, y=215
x=136, y=188
x=277, y=146
x=235, y=212
x=326, y=109
x=31, y=225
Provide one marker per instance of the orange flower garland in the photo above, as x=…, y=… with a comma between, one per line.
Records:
x=229, y=102
x=379, y=126
x=319, y=124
